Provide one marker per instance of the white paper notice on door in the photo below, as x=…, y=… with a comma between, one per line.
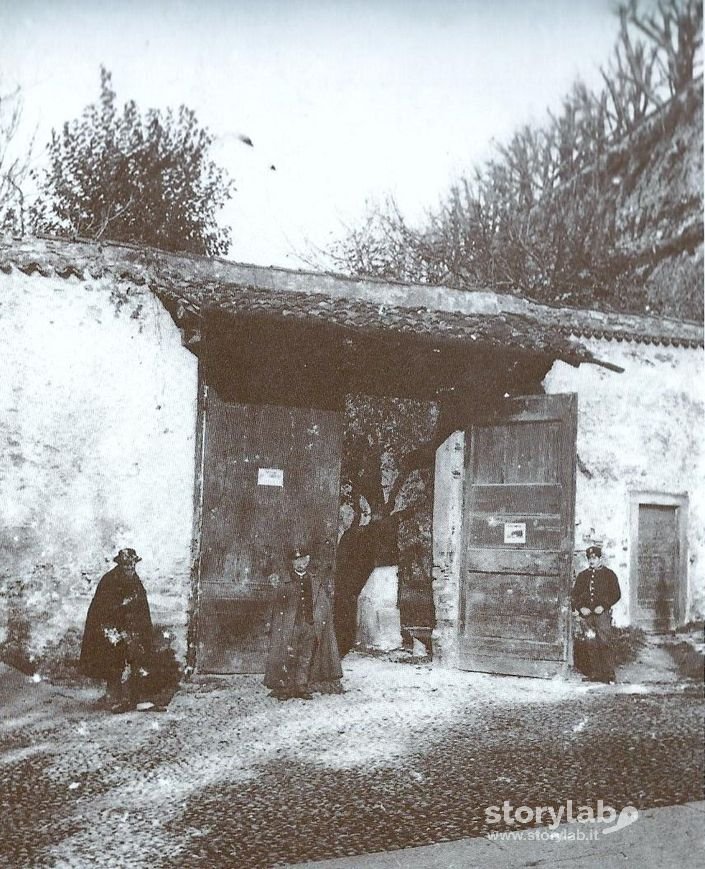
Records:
x=515, y=532
x=270, y=476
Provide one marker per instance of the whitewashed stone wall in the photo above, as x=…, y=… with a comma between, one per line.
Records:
x=97, y=421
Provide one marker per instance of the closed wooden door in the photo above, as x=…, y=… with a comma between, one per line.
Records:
x=270, y=480
x=518, y=533
x=657, y=581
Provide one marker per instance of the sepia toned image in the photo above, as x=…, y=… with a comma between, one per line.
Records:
x=352, y=481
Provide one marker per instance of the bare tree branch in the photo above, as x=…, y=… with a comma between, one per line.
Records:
x=15, y=163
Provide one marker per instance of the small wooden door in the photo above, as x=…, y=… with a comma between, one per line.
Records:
x=657, y=581
x=518, y=528
x=271, y=477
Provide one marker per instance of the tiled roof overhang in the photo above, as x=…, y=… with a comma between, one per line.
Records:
x=199, y=289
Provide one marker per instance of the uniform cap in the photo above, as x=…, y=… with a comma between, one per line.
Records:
x=594, y=550
x=300, y=551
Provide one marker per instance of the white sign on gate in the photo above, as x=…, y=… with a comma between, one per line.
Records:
x=270, y=476
x=515, y=532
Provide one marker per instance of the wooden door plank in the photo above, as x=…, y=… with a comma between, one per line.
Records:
x=482, y=605
x=512, y=648
x=488, y=454
x=529, y=498
x=520, y=666
x=530, y=458
x=527, y=561
x=533, y=627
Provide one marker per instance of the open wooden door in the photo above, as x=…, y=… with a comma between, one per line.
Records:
x=270, y=479
x=518, y=533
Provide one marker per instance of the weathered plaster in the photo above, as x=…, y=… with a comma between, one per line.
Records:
x=447, y=546
x=97, y=420
x=637, y=431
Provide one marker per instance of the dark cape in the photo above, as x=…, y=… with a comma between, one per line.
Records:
x=118, y=626
x=325, y=664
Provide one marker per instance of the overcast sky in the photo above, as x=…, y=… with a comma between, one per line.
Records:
x=350, y=100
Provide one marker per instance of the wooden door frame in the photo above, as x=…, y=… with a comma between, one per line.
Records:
x=568, y=566
x=659, y=499
x=197, y=526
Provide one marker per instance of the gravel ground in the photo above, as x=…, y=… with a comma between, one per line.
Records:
x=408, y=756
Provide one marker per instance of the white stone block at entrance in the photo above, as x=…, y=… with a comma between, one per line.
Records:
x=378, y=619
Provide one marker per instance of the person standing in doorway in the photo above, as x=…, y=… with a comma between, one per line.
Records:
x=303, y=655
x=595, y=592
x=354, y=562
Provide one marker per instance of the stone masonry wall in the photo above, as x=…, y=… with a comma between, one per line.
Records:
x=97, y=423
x=639, y=431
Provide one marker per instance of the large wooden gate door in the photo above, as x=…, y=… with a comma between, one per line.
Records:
x=271, y=477
x=518, y=533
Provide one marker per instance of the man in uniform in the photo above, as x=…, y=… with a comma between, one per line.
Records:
x=303, y=655
x=595, y=592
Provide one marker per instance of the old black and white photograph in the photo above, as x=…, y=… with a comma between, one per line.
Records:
x=352, y=467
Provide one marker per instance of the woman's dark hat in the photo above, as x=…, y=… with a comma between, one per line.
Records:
x=127, y=556
x=593, y=550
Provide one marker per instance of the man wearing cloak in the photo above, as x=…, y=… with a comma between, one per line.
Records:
x=303, y=654
x=117, y=640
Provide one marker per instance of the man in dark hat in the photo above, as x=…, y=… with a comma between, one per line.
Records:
x=117, y=640
x=595, y=592
x=303, y=655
